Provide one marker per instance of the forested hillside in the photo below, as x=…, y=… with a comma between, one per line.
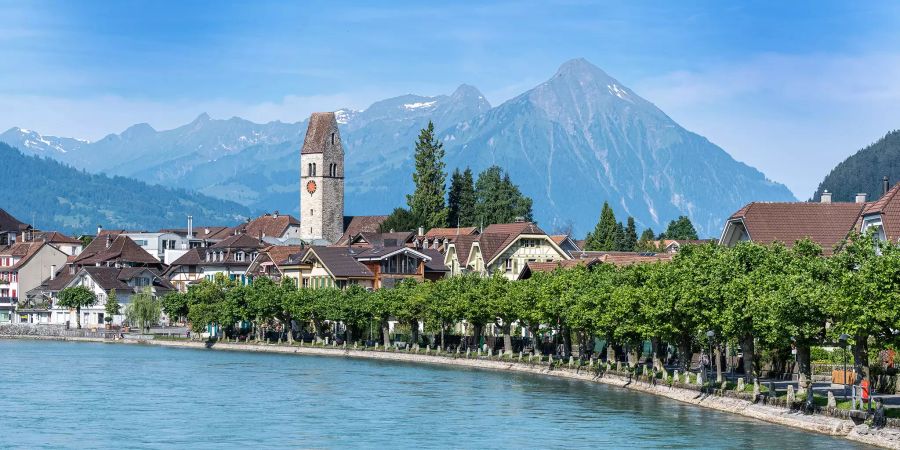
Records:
x=58, y=197
x=863, y=171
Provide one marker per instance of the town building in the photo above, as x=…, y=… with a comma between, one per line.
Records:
x=826, y=223
x=353, y=225
x=275, y=229
x=67, y=244
x=42, y=305
x=230, y=257
x=322, y=181
x=502, y=248
x=23, y=266
x=115, y=250
x=278, y=262
x=438, y=238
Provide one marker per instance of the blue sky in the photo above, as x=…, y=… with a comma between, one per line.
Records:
x=791, y=89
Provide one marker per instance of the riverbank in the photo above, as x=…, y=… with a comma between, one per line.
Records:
x=886, y=437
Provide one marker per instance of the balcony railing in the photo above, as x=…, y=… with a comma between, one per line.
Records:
x=8, y=300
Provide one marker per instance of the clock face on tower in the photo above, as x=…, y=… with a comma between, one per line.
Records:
x=311, y=186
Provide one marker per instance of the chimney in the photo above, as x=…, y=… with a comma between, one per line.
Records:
x=190, y=232
x=108, y=240
x=421, y=231
x=275, y=214
x=885, y=185
x=861, y=197
x=826, y=196
x=52, y=272
x=99, y=229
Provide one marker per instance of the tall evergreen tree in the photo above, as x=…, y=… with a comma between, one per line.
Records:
x=680, y=228
x=427, y=202
x=461, y=199
x=399, y=220
x=603, y=238
x=498, y=200
x=630, y=238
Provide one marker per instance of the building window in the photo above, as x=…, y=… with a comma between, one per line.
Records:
x=332, y=138
x=314, y=169
x=509, y=265
x=311, y=212
x=239, y=256
x=309, y=171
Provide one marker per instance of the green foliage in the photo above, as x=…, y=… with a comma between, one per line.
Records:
x=498, y=200
x=144, y=310
x=112, y=306
x=175, y=305
x=399, y=220
x=646, y=242
x=681, y=229
x=76, y=297
x=606, y=234
x=461, y=200
x=38, y=184
x=629, y=237
x=427, y=202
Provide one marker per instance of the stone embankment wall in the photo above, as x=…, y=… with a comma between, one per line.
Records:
x=888, y=437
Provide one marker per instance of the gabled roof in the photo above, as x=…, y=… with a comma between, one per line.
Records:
x=532, y=267
x=338, y=262
x=888, y=206
x=281, y=254
x=383, y=239
x=824, y=223
x=24, y=251
x=190, y=258
x=120, y=249
x=274, y=225
x=436, y=263
x=353, y=225
x=379, y=253
x=10, y=223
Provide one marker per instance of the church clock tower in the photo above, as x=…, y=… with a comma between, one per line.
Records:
x=322, y=181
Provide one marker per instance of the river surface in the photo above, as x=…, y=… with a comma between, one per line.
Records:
x=86, y=395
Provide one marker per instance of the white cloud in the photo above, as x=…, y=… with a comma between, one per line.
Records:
x=792, y=116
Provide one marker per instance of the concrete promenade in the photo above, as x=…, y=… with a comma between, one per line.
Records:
x=887, y=437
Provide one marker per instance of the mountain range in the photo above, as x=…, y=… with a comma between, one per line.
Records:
x=863, y=171
x=54, y=196
x=571, y=143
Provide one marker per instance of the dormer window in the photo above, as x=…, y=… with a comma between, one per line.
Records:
x=239, y=256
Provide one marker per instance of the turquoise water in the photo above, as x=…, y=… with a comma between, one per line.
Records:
x=80, y=395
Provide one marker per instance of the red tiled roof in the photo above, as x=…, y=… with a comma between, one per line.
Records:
x=279, y=254
x=269, y=225
x=448, y=232
x=889, y=208
x=239, y=241
x=624, y=258
x=55, y=237
x=825, y=223
x=22, y=250
x=10, y=223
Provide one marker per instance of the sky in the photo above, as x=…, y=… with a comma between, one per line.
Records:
x=791, y=88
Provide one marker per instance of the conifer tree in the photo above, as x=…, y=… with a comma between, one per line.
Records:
x=427, y=202
x=629, y=241
x=680, y=228
x=461, y=199
x=603, y=238
x=498, y=200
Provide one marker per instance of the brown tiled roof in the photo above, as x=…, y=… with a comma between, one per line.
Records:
x=239, y=241
x=449, y=232
x=516, y=228
x=825, y=223
x=191, y=258
x=339, y=262
x=55, y=237
x=384, y=239
x=269, y=225
x=497, y=237
x=566, y=263
x=888, y=206
x=121, y=249
x=463, y=245
x=354, y=225
x=10, y=223
x=117, y=278
x=320, y=126
x=279, y=254
x=559, y=238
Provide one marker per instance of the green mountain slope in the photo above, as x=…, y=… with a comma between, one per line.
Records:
x=59, y=197
x=864, y=170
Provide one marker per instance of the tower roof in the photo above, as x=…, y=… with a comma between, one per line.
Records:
x=321, y=125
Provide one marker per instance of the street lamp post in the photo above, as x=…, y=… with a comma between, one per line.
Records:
x=843, y=340
x=709, y=336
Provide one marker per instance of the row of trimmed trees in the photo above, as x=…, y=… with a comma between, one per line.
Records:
x=764, y=299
